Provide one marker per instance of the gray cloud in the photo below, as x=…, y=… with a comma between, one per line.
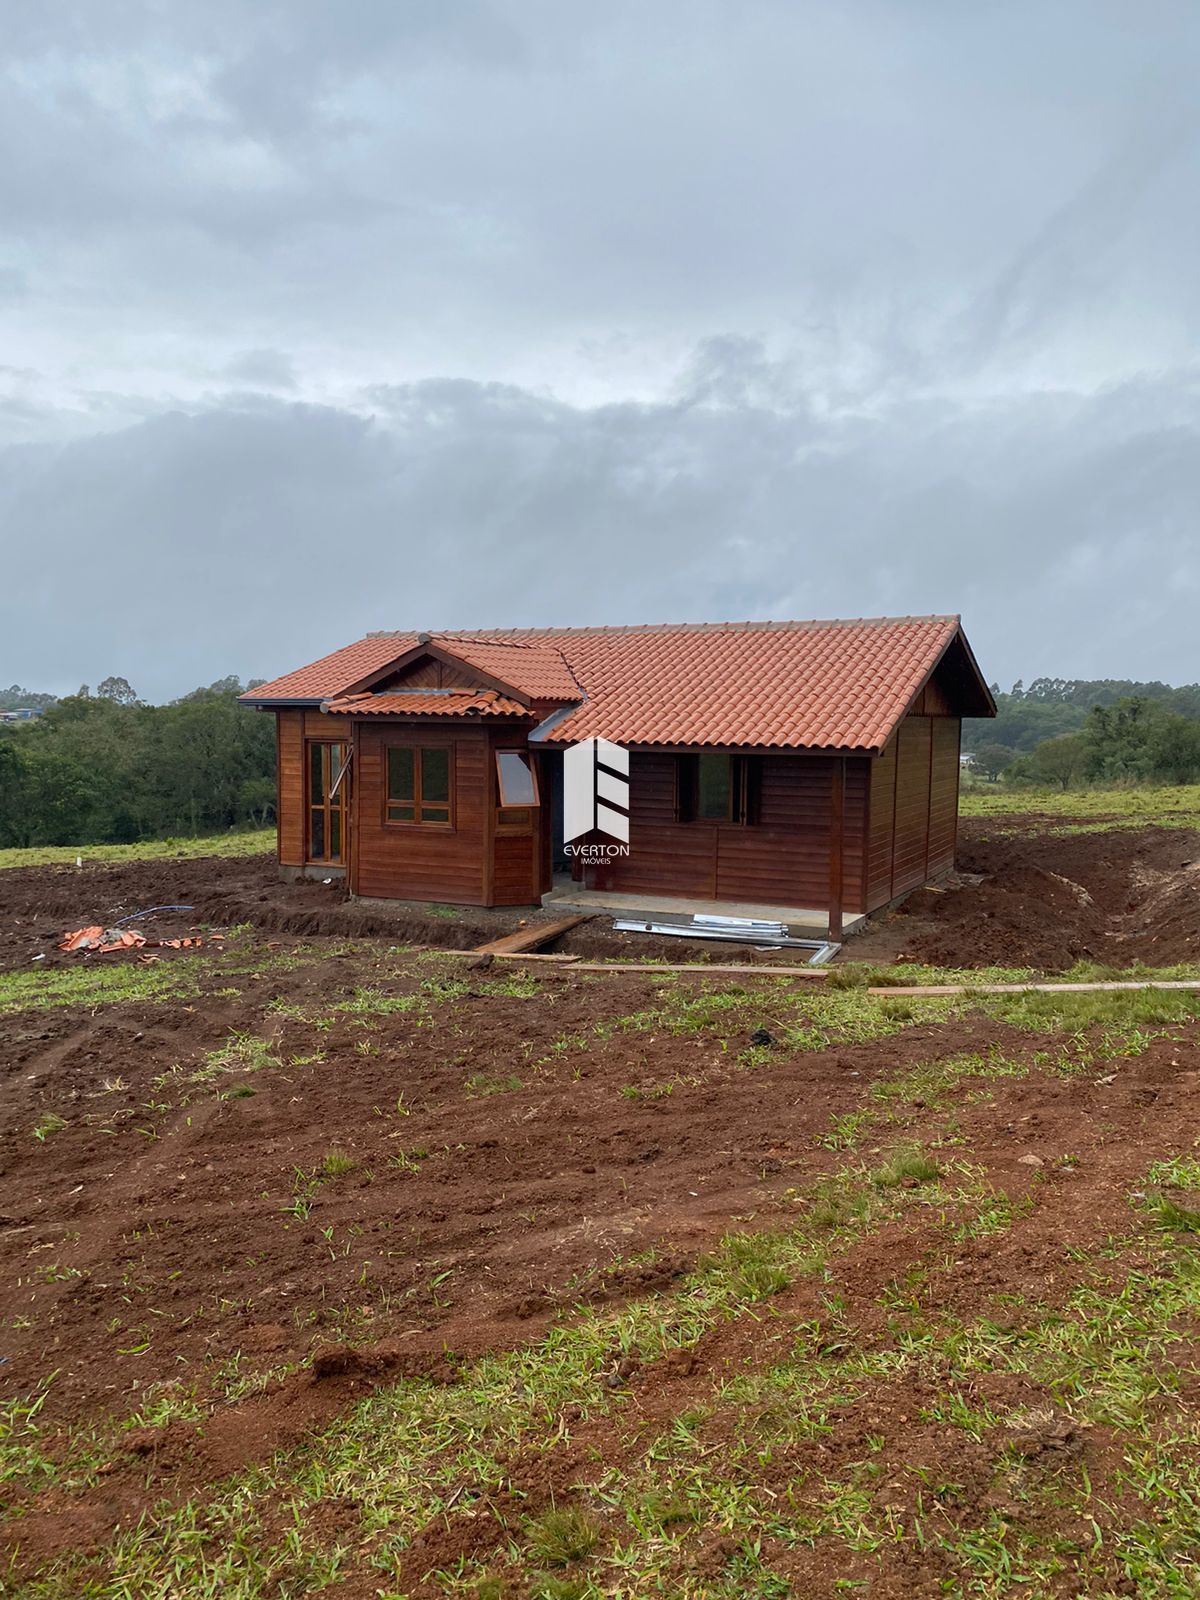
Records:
x=323, y=318
x=266, y=369
x=255, y=537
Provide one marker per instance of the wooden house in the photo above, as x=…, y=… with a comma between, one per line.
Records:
x=804, y=765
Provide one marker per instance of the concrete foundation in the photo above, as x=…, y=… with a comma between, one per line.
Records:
x=803, y=922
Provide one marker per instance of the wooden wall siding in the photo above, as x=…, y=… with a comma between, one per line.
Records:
x=944, y=691
x=318, y=726
x=911, y=852
x=396, y=863
x=943, y=795
x=854, y=847
x=517, y=873
x=913, y=810
x=783, y=859
x=881, y=827
x=428, y=674
x=900, y=819
x=289, y=779
x=933, y=701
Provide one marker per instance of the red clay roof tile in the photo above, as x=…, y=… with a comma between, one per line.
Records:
x=833, y=685
x=421, y=703
x=332, y=674
x=538, y=670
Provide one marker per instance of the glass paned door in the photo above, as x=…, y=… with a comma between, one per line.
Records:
x=328, y=801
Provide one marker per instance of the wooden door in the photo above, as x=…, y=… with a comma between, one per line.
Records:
x=327, y=811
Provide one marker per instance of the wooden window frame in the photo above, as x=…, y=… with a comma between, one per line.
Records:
x=336, y=799
x=518, y=817
x=745, y=790
x=446, y=825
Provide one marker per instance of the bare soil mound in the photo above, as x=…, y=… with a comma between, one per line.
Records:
x=1046, y=900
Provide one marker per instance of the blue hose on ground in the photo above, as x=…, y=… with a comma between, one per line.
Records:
x=149, y=912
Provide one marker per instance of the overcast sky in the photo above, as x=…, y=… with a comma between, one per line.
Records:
x=321, y=317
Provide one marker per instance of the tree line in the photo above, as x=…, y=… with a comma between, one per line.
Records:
x=105, y=768
x=1026, y=717
x=1136, y=739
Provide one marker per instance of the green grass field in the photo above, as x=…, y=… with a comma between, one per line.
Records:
x=239, y=842
x=1175, y=807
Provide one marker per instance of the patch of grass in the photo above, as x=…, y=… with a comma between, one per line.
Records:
x=748, y=1265
x=649, y=1091
x=518, y=986
x=241, y=1052
x=337, y=1163
x=1177, y=1172
x=369, y=1002
x=907, y=1166
x=491, y=1587
x=1131, y=807
x=1174, y=1215
x=845, y=1130
x=552, y=1586
x=237, y=842
x=559, y=1537
x=908, y=974
x=408, y=1160
x=419, y=1451
x=49, y=1122
x=480, y=1084
x=1070, y=1013
x=92, y=986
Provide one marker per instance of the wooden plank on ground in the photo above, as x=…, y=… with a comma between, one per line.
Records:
x=700, y=969
x=1026, y=988
x=529, y=937
x=560, y=958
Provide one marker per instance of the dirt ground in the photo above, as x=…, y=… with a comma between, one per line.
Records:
x=319, y=1164
x=1023, y=895
x=1029, y=897
x=37, y=904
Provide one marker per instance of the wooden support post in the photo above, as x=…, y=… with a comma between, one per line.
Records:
x=837, y=830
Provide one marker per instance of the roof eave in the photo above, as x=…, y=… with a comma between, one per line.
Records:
x=681, y=747
x=271, y=703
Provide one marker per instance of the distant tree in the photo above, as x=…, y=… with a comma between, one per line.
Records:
x=1062, y=761
x=1119, y=738
x=256, y=797
x=117, y=690
x=13, y=767
x=993, y=759
x=99, y=769
x=1173, y=750
x=16, y=698
x=1021, y=724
